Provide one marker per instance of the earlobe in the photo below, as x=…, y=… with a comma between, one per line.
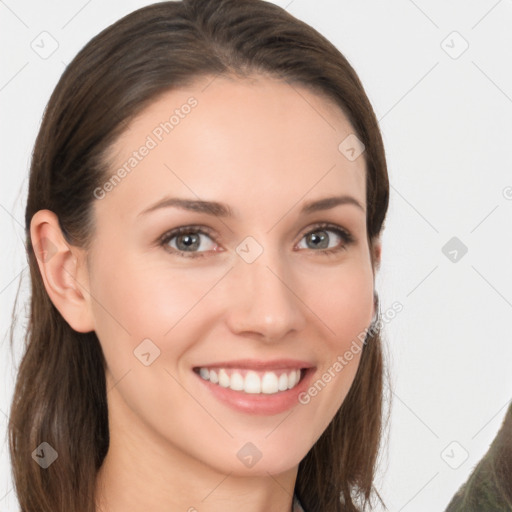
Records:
x=63, y=273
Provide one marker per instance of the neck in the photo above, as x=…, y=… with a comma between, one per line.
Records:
x=143, y=471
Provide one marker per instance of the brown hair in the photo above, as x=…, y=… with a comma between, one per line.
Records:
x=60, y=392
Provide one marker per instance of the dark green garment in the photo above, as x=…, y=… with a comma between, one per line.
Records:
x=489, y=487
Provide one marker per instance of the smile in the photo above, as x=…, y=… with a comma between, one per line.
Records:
x=256, y=386
x=250, y=381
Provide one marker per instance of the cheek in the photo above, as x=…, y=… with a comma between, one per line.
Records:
x=135, y=301
x=344, y=307
x=343, y=302
x=141, y=316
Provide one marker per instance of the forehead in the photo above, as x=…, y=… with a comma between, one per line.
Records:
x=239, y=141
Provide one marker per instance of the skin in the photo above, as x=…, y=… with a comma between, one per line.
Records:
x=264, y=148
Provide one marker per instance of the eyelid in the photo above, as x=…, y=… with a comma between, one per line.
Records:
x=349, y=237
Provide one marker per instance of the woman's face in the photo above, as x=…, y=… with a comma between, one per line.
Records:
x=247, y=287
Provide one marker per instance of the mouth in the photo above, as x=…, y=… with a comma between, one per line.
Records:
x=257, y=387
x=253, y=381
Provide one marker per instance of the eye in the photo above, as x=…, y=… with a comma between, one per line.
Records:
x=184, y=241
x=188, y=239
x=320, y=239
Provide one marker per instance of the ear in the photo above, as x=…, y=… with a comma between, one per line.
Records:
x=376, y=253
x=63, y=271
x=376, y=260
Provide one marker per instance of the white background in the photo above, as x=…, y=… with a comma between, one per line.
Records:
x=447, y=128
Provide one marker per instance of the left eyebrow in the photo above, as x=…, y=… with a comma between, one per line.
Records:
x=330, y=202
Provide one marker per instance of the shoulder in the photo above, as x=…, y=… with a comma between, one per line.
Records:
x=489, y=487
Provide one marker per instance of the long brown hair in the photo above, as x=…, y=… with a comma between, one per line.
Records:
x=60, y=392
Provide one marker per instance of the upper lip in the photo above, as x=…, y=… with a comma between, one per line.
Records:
x=258, y=364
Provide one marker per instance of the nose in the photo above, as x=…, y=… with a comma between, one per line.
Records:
x=264, y=299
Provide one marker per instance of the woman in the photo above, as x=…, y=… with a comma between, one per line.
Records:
x=206, y=197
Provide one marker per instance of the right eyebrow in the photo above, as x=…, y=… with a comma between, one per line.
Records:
x=194, y=205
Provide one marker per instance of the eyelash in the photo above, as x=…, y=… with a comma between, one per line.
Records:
x=347, y=238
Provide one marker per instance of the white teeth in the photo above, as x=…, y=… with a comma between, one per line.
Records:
x=269, y=383
x=292, y=379
x=213, y=377
x=253, y=382
x=237, y=382
x=283, y=382
x=223, y=378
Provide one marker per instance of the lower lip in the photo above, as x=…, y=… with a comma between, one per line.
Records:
x=260, y=403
